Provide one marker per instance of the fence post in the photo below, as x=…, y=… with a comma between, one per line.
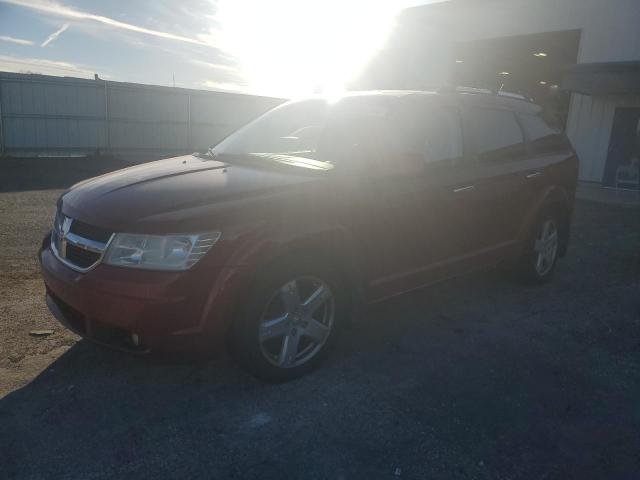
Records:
x=189, y=146
x=1, y=124
x=107, y=131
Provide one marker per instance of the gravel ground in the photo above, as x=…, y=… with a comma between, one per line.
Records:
x=29, y=188
x=477, y=378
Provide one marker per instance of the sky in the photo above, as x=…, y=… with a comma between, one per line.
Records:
x=276, y=47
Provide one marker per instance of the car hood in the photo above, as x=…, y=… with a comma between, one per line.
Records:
x=174, y=190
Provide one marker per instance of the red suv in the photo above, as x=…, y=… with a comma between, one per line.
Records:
x=266, y=243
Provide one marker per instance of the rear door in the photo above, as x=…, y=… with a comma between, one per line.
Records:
x=497, y=143
x=548, y=149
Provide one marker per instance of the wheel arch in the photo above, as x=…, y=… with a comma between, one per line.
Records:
x=553, y=198
x=332, y=244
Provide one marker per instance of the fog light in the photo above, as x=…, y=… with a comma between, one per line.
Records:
x=135, y=339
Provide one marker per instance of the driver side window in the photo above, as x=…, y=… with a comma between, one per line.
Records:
x=443, y=136
x=432, y=132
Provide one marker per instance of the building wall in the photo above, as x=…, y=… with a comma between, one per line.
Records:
x=609, y=28
x=43, y=115
x=589, y=127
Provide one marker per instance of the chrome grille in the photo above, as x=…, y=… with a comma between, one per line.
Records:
x=89, y=231
x=80, y=257
x=78, y=245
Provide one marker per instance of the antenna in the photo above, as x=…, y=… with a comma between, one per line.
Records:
x=173, y=75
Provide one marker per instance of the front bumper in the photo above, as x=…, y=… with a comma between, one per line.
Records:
x=141, y=310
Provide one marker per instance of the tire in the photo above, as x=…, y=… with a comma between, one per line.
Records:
x=291, y=319
x=540, y=256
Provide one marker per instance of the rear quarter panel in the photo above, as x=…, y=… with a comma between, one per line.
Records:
x=557, y=191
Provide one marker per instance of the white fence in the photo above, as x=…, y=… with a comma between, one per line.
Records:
x=43, y=115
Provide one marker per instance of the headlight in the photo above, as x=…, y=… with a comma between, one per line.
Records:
x=159, y=252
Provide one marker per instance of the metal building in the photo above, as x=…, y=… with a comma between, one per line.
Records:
x=43, y=115
x=580, y=59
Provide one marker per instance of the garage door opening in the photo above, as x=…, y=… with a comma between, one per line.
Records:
x=527, y=64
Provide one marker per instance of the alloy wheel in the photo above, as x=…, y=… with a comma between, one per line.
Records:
x=296, y=322
x=546, y=247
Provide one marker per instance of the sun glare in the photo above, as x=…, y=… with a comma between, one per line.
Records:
x=291, y=48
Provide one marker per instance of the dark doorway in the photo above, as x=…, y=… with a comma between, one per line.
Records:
x=527, y=64
x=622, y=169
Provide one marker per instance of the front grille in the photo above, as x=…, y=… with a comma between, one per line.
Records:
x=89, y=231
x=81, y=257
x=77, y=244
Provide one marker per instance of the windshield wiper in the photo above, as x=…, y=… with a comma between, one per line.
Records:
x=208, y=154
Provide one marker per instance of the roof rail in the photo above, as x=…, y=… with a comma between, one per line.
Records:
x=518, y=96
x=484, y=91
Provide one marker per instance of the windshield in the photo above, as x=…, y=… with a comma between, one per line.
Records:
x=313, y=129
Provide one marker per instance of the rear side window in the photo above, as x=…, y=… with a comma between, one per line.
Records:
x=495, y=134
x=543, y=138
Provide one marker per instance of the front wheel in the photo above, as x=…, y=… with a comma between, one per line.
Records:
x=290, y=320
x=541, y=254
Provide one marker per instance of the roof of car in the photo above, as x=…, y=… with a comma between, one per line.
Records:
x=470, y=96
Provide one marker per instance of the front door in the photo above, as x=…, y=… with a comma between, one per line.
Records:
x=413, y=219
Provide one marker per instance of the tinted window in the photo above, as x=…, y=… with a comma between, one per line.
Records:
x=431, y=131
x=290, y=128
x=375, y=128
x=318, y=130
x=496, y=134
x=543, y=138
x=358, y=127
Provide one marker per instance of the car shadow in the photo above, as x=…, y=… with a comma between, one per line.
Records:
x=47, y=173
x=469, y=379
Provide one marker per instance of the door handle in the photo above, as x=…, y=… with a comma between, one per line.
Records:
x=466, y=188
x=533, y=174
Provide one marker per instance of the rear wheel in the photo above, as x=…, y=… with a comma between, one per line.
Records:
x=539, y=260
x=290, y=320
